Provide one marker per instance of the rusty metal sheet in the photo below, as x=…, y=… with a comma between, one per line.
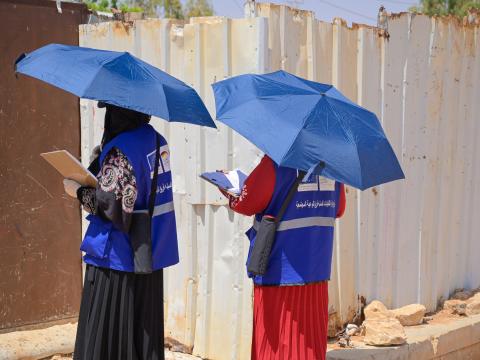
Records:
x=40, y=261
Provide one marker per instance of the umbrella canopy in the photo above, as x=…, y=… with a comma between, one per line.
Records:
x=309, y=126
x=116, y=78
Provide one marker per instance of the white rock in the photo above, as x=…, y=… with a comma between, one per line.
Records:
x=376, y=309
x=410, y=315
x=458, y=307
x=384, y=331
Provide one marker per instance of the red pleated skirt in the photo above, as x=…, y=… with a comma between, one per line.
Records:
x=290, y=322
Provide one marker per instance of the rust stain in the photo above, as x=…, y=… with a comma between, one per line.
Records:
x=177, y=346
x=340, y=22
x=334, y=324
x=382, y=33
x=46, y=249
x=362, y=301
x=394, y=16
x=208, y=20
x=375, y=191
x=357, y=26
x=153, y=24
x=97, y=30
x=120, y=28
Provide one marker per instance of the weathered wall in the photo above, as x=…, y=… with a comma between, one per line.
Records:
x=409, y=241
x=39, y=225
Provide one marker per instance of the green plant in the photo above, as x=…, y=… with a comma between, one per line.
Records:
x=457, y=8
x=102, y=6
x=106, y=6
x=195, y=8
x=125, y=8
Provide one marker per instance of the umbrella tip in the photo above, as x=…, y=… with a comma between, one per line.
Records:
x=20, y=58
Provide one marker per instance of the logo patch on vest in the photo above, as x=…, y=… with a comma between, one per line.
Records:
x=165, y=158
x=317, y=183
x=326, y=184
x=164, y=163
x=310, y=185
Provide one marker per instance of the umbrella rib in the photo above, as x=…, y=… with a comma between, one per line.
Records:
x=166, y=102
x=316, y=91
x=349, y=135
x=296, y=136
x=255, y=98
x=97, y=71
x=356, y=105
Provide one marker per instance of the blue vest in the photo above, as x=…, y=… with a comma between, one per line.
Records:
x=302, y=252
x=104, y=245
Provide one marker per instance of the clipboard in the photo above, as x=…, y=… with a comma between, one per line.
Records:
x=231, y=182
x=69, y=166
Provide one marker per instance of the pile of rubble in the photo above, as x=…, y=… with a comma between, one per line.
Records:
x=463, y=302
x=384, y=327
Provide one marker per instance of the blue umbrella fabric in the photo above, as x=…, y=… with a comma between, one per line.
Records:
x=308, y=126
x=116, y=78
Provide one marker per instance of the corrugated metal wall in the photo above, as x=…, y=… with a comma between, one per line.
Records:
x=409, y=241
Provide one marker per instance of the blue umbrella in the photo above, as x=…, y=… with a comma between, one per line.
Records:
x=308, y=126
x=116, y=78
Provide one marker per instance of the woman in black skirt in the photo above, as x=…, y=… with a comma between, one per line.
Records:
x=121, y=313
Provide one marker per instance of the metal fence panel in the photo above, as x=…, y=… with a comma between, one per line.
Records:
x=404, y=242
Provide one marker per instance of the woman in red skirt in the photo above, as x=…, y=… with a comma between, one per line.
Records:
x=290, y=310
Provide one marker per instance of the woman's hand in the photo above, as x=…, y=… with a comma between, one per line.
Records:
x=71, y=187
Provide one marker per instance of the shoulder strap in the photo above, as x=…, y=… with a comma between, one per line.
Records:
x=289, y=197
x=153, y=190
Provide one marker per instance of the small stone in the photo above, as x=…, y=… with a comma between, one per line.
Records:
x=384, y=332
x=426, y=319
x=452, y=305
x=410, y=315
x=460, y=309
x=351, y=329
x=376, y=309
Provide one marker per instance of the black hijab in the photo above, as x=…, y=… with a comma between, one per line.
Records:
x=117, y=121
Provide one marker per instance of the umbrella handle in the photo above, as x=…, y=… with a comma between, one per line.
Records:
x=319, y=167
x=20, y=58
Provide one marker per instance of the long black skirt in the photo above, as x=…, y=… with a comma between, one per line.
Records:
x=121, y=316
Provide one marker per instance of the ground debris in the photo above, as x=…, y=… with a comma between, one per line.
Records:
x=463, y=303
x=344, y=337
